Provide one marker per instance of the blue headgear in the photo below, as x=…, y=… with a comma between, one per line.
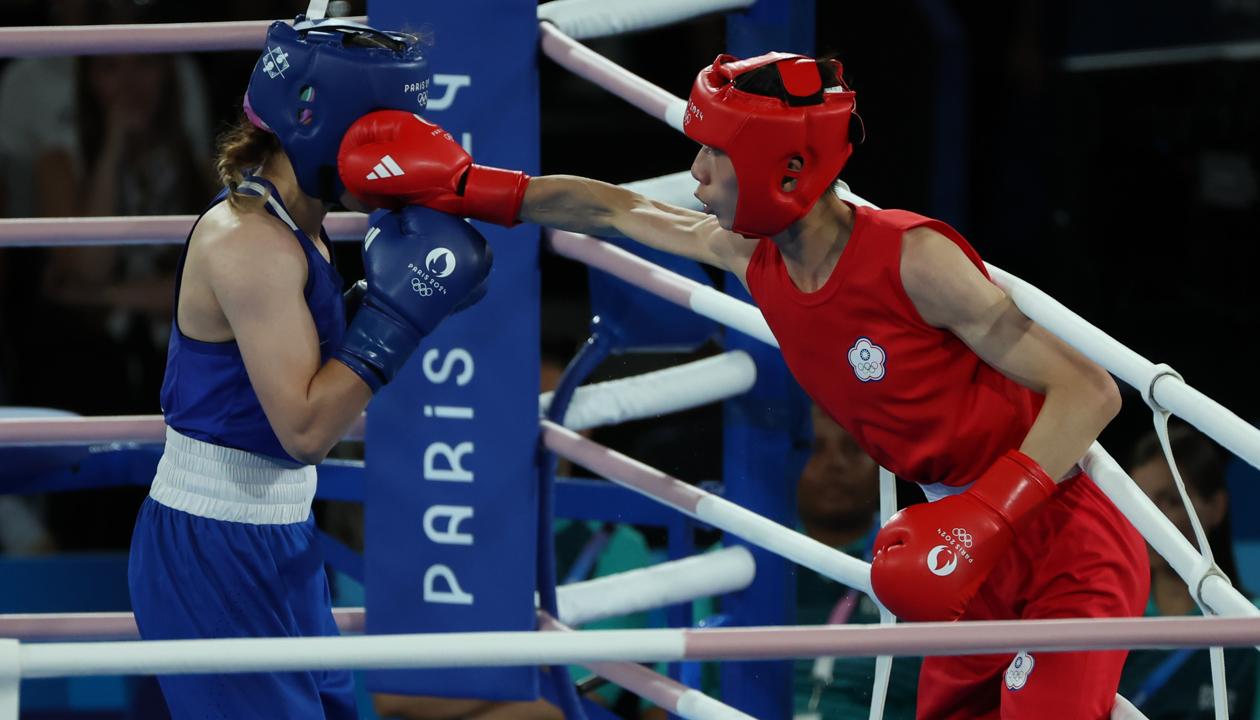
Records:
x=314, y=80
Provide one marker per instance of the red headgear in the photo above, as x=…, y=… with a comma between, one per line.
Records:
x=762, y=134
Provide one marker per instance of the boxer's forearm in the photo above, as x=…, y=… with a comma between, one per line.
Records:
x=1071, y=418
x=578, y=204
x=309, y=425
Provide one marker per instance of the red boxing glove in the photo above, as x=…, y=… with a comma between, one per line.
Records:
x=930, y=560
x=391, y=158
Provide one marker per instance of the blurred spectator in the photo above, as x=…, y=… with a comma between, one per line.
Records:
x=131, y=155
x=97, y=136
x=837, y=499
x=53, y=131
x=39, y=107
x=134, y=159
x=91, y=351
x=1168, y=684
x=92, y=323
x=22, y=530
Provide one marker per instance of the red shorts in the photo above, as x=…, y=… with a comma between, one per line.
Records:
x=1079, y=558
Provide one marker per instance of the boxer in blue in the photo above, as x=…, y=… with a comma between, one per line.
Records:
x=263, y=374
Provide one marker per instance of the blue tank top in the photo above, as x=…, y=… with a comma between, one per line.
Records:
x=206, y=393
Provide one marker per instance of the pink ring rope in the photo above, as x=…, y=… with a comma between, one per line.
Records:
x=154, y=230
x=26, y=432
x=114, y=625
x=130, y=39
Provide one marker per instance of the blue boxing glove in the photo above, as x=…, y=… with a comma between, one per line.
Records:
x=420, y=265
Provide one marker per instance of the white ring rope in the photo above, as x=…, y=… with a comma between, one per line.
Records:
x=883, y=663
x=657, y=393
x=708, y=508
x=503, y=649
x=1159, y=531
x=668, y=583
x=584, y=62
x=586, y=19
x=10, y=679
x=665, y=692
x=669, y=285
x=1242, y=51
x=1168, y=390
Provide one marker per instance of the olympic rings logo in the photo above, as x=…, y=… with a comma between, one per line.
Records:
x=963, y=536
x=420, y=287
x=867, y=360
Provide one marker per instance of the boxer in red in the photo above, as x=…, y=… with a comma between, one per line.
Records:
x=890, y=322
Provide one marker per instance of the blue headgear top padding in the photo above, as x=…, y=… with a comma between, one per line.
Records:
x=315, y=78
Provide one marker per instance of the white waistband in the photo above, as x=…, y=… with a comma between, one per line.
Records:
x=223, y=483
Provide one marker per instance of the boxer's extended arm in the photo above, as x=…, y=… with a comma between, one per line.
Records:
x=579, y=204
x=257, y=273
x=949, y=291
x=434, y=171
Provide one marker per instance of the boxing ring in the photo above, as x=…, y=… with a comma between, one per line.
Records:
x=60, y=645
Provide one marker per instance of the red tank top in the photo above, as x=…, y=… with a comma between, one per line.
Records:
x=915, y=397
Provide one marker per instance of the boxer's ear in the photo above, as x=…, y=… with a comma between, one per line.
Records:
x=794, y=166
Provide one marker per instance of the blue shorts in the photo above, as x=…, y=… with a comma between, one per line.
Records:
x=193, y=574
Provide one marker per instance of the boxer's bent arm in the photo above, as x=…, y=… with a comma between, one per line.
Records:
x=579, y=204
x=950, y=292
x=257, y=272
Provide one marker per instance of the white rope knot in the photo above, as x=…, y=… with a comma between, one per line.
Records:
x=1162, y=370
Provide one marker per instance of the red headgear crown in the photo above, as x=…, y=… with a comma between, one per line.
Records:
x=763, y=134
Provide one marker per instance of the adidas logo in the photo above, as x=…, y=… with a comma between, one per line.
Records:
x=371, y=235
x=386, y=168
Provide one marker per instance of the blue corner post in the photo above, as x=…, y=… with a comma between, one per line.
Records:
x=452, y=441
x=766, y=431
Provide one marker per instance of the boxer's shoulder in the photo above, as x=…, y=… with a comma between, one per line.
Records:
x=226, y=232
